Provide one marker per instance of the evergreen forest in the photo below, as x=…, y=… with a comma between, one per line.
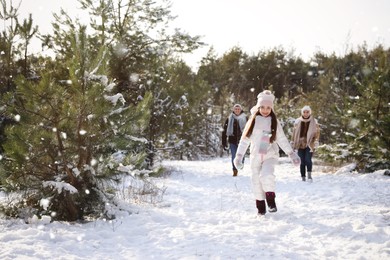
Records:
x=115, y=97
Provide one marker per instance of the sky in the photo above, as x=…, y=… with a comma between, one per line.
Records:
x=205, y=213
x=302, y=26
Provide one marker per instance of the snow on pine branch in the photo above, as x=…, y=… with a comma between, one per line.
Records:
x=137, y=139
x=129, y=169
x=103, y=79
x=60, y=186
x=98, y=78
x=114, y=99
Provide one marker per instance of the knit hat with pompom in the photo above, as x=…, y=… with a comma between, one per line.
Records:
x=265, y=98
x=306, y=108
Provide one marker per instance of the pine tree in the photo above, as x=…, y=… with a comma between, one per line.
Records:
x=369, y=115
x=60, y=152
x=141, y=49
x=8, y=50
x=27, y=31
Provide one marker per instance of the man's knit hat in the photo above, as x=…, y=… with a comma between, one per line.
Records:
x=237, y=105
x=306, y=108
x=265, y=98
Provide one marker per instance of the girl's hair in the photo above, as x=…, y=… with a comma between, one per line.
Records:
x=248, y=130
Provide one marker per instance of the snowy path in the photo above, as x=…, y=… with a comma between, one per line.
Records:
x=207, y=214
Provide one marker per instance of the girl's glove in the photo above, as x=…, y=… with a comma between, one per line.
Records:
x=238, y=161
x=295, y=159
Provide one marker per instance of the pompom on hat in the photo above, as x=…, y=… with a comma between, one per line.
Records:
x=306, y=108
x=265, y=98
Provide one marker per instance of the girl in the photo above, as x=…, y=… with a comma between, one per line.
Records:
x=306, y=134
x=264, y=133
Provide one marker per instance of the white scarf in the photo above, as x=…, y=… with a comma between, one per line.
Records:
x=241, y=118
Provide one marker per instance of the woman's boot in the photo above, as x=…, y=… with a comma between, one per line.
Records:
x=309, y=177
x=270, y=197
x=235, y=173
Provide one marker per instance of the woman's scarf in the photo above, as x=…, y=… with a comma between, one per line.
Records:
x=241, y=118
x=311, y=132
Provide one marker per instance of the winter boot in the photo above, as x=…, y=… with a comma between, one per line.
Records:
x=309, y=177
x=260, y=205
x=303, y=178
x=235, y=173
x=270, y=197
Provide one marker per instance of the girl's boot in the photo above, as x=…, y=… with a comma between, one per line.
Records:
x=270, y=197
x=260, y=205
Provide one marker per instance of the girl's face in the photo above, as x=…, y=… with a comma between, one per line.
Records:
x=265, y=110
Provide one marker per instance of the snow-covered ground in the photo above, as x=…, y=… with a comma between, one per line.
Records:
x=208, y=214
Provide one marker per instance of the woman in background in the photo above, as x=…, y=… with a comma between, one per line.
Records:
x=306, y=134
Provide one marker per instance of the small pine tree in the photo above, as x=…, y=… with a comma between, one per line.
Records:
x=59, y=153
x=361, y=121
x=369, y=115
